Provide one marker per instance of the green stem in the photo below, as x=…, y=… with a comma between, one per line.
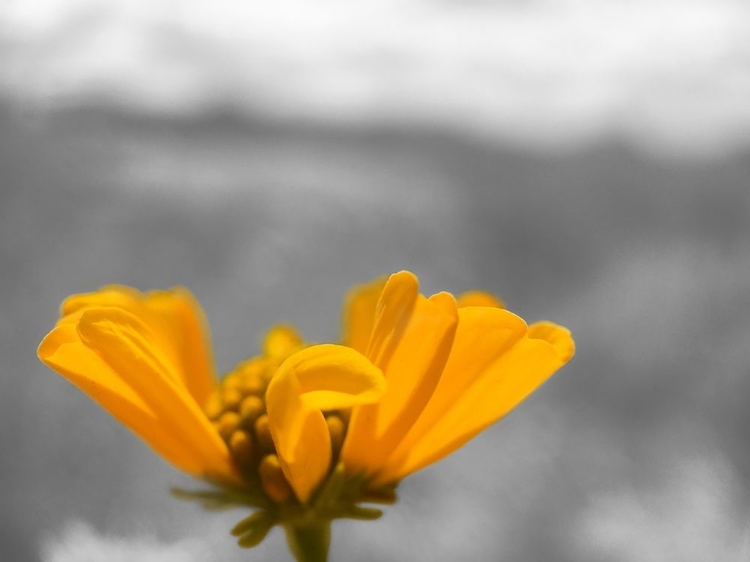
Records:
x=309, y=541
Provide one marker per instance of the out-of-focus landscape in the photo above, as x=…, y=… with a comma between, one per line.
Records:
x=587, y=161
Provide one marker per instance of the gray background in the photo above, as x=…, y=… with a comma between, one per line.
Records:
x=595, y=173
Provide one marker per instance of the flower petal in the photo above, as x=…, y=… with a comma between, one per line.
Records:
x=392, y=315
x=109, y=295
x=174, y=317
x=64, y=352
x=557, y=336
x=483, y=334
x=358, y=317
x=494, y=382
x=413, y=364
x=186, y=329
x=132, y=351
x=320, y=377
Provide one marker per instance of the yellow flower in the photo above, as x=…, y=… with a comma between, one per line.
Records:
x=306, y=432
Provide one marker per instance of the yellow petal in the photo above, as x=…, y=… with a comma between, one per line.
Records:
x=63, y=351
x=498, y=381
x=392, y=315
x=412, y=367
x=320, y=377
x=131, y=351
x=479, y=298
x=483, y=334
x=359, y=313
x=184, y=327
x=557, y=336
x=109, y=295
x=175, y=319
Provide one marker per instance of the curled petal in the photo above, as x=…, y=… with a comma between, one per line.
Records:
x=175, y=320
x=63, y=352
x=113, y=357
x=315, y=379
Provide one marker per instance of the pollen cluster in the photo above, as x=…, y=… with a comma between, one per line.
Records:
x=237, y=410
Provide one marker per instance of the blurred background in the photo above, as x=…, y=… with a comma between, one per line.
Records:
x=587, y=160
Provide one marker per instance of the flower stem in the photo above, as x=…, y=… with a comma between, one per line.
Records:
x=309, y=541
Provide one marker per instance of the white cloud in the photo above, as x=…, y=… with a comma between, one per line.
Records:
x=669, y=73
x=79, y=542
x=695, y=516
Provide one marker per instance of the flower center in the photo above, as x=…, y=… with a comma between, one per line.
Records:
x=237, y=410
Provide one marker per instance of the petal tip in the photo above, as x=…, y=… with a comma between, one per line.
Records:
x=559, y=337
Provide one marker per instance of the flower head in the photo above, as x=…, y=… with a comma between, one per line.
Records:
x=306, y=432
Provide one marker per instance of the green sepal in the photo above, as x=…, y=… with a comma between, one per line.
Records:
x=383, y=496
x=253, y=529
x=307, y=526
x=224, y=498
x=362, y=513
x=250, y=522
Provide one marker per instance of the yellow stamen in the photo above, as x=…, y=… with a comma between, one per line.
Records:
x=253, y=384
x=232, y=381
x=337, y=430
x=227, y=424
x=231, y=398
x=214, y=407
x=241, y=446
x=263, y=433
x=272, y=479
x=281, y=342
x=251, y=409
